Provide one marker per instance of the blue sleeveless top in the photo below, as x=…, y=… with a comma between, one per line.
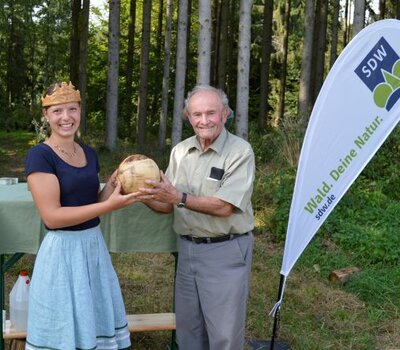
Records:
x=78, y=185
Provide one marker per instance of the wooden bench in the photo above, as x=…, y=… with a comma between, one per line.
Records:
x=136, y=323
x=151, y=322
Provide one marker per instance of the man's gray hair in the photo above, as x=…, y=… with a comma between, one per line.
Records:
x=198, y=88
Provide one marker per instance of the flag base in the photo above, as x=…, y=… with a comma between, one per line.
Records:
x=266, y=345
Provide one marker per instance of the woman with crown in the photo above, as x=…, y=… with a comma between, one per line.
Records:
x=75, y=299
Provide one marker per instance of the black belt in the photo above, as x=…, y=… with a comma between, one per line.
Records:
x=217, y=239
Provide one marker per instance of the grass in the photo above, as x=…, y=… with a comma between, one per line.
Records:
x=316, y=314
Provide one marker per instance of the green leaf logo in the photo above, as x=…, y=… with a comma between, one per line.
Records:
x=384, y=92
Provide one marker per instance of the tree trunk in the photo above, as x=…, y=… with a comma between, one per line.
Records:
x=321, y=48
x=346, y=23
x=10, y=57
x=397, y=9
x=204, y=43
x=244, y=43
x=127, y=100
x=223, y=45
x=316, y=34
x=180, y=74
x=32, y=59
x=189, y=54
x=359, y=16
x=158, y=79
x=334, y=32
x=215, y=35
x=382, y=9
x=112, y=75
x=83, y=55
x=306, y=61
x=47, y=57
x=144, y=75
x=282, y=86
x=265, y=60
x=162, y=131
x=232, y=57
x=160, y=41
x=74, y=55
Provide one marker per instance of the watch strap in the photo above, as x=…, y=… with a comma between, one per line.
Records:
x=182, y=203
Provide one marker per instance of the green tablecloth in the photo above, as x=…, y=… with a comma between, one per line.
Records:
x=133, y=229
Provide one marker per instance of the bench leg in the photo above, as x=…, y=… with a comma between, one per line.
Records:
x=174, y=344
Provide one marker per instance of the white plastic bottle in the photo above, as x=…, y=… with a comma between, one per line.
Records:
x=19, y=296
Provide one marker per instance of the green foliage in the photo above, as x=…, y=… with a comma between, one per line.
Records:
x=383, y=168
x=263, y=144
x=379, y=285
x=96, y=123
x=279, y=146
x=366, y=223
x=280, y=149
x=16, y=117
x=273, y=191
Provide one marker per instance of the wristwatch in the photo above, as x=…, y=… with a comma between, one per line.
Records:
x=182, y=203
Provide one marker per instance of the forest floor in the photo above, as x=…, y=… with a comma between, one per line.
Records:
x=316, y=314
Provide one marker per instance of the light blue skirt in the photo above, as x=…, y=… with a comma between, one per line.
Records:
x=75, y=300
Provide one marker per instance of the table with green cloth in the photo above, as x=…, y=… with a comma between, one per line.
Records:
x=133, y=229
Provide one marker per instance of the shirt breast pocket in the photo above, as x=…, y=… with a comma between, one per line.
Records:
x=211, y=186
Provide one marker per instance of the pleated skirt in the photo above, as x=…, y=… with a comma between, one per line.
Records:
x=75, y=300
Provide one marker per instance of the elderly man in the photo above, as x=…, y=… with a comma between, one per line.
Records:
x=208, y=185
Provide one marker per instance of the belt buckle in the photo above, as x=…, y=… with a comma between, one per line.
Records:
x=197, y=239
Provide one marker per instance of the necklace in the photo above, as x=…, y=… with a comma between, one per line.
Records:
x=63, y=151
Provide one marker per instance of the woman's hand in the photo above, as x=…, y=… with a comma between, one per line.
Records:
x=118, y=200
x=109, y=187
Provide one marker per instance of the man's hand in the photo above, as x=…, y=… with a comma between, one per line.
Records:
x=162, y=191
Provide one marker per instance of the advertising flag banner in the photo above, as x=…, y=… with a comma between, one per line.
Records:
x=357, y=108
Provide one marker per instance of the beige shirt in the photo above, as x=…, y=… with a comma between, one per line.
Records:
x=225, y=170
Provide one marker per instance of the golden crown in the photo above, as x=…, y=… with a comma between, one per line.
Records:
x=63, y=93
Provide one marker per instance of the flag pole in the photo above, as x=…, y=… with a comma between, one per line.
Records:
x=277, y=312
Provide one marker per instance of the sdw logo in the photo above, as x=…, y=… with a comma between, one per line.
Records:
x=380, y=71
